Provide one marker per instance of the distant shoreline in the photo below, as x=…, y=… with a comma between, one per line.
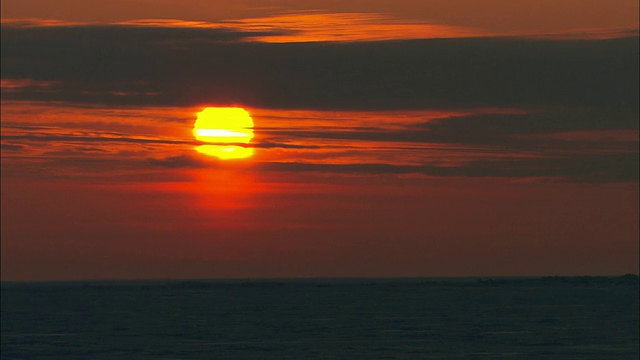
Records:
x=328, y=281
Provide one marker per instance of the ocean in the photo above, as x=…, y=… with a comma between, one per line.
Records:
x=500, y=318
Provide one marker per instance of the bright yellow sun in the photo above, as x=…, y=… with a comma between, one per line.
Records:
x=224, y=126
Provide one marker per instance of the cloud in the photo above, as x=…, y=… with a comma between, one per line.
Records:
x=512, y=145
x=56, y=135
x=534, y=130
x=11, y=147
x=537, y=122
x=605, y=168
x=558, y=86
x=316, y=25
x=94, y=138
x=576, y=162
x=598, y=169
x=161, y=65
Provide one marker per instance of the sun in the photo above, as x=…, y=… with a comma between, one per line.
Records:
x=223, y=125
x=226, y=127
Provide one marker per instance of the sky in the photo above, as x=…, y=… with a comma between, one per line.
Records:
x=397, y=138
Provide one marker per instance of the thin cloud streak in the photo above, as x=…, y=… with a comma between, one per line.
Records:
x=482, y=144
x=319, y=26
x=590, y=169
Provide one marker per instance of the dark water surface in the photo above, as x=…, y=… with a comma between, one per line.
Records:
x=548, y=318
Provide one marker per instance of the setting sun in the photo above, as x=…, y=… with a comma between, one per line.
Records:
x=224, y=126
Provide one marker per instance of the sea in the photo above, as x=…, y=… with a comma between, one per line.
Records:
x=451, y=318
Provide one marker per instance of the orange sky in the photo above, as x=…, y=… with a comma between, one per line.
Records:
x=541, y=16
x=143, y=203
x=390, y=138
x=349, y=20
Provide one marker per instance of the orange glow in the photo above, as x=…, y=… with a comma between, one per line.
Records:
x=322, y=26
x=224, y=126
x=315, y=26
x=337, y=26
x=16, y=85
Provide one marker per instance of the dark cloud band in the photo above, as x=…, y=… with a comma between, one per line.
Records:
x=128, y=65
